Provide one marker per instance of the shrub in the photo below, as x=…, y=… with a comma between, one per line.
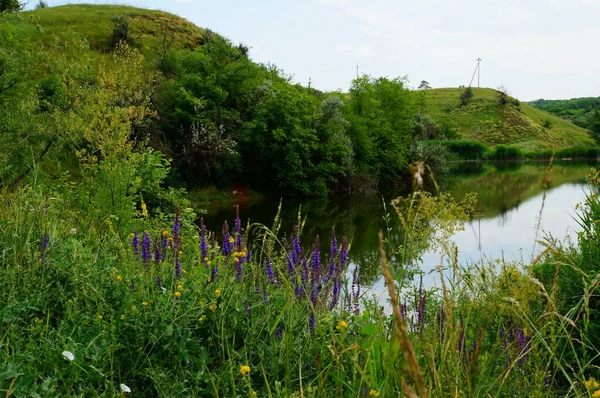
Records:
x=41, y=4
x=464, y=149
x=10, y=6
x=121, y=31
x=505, y=152
x=466, y=96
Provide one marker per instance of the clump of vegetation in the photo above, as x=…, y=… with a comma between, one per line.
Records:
x=121, y=33
x=10, y=5
x=466, y=96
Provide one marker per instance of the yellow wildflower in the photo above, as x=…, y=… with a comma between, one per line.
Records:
x=69, y=301
x=100, y=317
x=236, y=260
x=373, y=393
x=205, y=258
x=123, y=317
x=180, y=252
x=179, y=287
x=244, y=370
x=177, y=294
x=209, y=263
x=213, y=307
x=596, y=394
x=231, y=240
x=591, y=384
x=165, y=233
x=253, y=393
x=341, y=325
x=119, y=278
x=218, y=292
x=202, y=318
x=144, y=210
x=145, y=303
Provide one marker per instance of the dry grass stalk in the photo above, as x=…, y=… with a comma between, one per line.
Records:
x=405, y=345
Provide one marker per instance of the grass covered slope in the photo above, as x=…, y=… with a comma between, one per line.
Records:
x=485, y=119
x=150, y=29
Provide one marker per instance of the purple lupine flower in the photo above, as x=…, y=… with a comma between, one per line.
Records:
x=177, y=272
x=269, y=267
x=203, y=245
x=355, y=289
x=404, y=310
x=247, y=309
x=214, y=273
x=336, y=293
x=237, y=230
x=311, y=319
x=227, y=246
x=421, y=307
x=332, y=254
x=146, y=250
x=547, y=382
x=43, y=249
x=278, y=333
x=156, y=253
x=304, y=277
x=135, y=243
x=295, y=253
x=315, y=262
x=343, y=259
x=239, y=269
x=441, y=319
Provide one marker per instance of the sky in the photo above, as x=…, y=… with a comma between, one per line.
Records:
x=535, y=48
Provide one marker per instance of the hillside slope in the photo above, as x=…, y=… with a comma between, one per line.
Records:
x=485, y=120
x=151, y=30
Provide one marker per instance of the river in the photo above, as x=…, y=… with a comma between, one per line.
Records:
x=511, y=198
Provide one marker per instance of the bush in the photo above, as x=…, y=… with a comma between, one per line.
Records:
x=435, y=155
x=121, y=31
x=464, y=149
x=10, y=6
x=41, y=4
x=466, y=96
x=505, y=152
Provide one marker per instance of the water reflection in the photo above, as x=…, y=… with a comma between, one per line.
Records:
x=510, y=197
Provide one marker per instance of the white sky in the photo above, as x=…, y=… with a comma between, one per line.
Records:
x=537, y=48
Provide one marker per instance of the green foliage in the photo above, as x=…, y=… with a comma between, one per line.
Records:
x=41, y=4
x=578, y=110
x=380, y=114
x=505, y=152
x=466, y=96
x=463, y=149
x=10, y=5
x=121, y=32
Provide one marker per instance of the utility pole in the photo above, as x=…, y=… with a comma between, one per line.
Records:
x=476, y=71
x=357, y=71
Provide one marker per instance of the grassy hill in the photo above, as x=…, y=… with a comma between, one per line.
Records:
x=94, y=23
x=485, y=120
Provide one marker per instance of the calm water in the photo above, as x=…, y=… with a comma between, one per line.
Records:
x=510, y=200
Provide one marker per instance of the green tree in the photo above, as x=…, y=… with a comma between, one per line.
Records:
x=466, y=96
x=10, y=5
x=594, y=125
x=380, y=113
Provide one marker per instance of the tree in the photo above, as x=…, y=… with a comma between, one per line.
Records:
x=10, y=6
x=424, y=85
x=594, y=125
x=503, y=95
x=466, y=96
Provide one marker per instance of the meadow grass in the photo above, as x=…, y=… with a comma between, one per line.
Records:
x=163, y=307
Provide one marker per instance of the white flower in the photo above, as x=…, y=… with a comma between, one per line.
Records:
x=124, y=388
x=73, y=231
x=163, y=290
x=68, y=355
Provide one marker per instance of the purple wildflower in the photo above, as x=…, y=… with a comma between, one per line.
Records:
x=203, y=245
x=177, y=267
x=269, y=267
x=355, y=289
x=336, y=293
x=237, y=230
x=227, y=246
x=146, y=250
x=315, y=261
x=278, y=333
x=214, y=273
x=156, y=253
x=176, y=228
x=159, y=282
x=332, y=254
x=135, y=243
x=43, y=249
x=343, y=259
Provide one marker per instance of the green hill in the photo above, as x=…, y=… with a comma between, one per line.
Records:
x=485, y=119
x=149, y=28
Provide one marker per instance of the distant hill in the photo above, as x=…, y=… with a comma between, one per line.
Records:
x=578, y=110
x=485, y=119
